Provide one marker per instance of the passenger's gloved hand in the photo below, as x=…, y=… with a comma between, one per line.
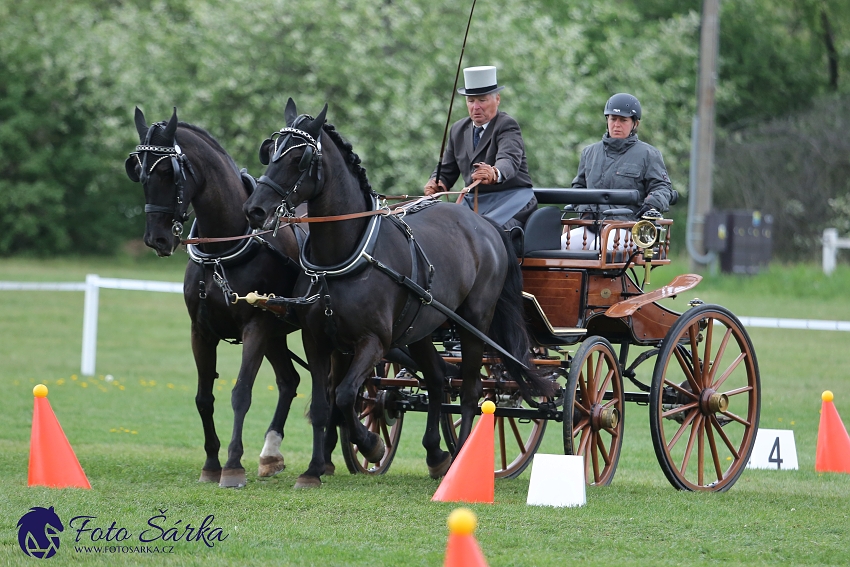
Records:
x=645, y=209
x=592, y=228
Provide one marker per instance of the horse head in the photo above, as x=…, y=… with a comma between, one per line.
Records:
x=294, y=173
x=160, y=166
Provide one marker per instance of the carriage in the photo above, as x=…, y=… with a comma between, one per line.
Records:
x=593, y=326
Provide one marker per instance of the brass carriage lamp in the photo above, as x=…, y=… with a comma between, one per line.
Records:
x=645, y=234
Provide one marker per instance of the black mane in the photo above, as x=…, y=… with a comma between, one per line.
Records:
x=209, y=139
x=351, y=158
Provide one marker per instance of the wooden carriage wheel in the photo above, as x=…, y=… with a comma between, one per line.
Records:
x=595, y=394
x=705, y=400
x=372, y=411
x=515, y=439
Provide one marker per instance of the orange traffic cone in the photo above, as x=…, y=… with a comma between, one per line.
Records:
x=462, y=549
x=52, y=460
x=833, y=454
x=472, y=478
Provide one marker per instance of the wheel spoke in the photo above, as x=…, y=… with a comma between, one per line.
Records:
x=715, y=456
x=585, y=437
x=701, y=452
x=583, y=388
x=734, y=417
x=502, y=449
x=597, y=373
x=594, y=456
x=705, y=369
x=518, y=436
x=725, y=438
x=679, y=389
x=735, y=363
x=604, y=387
x=581, y=426
x=721, y=350
x=688, y=369
x=741, y=390
x=605, y=456
x=679, y=409
x=688, y=419
x=691, y=438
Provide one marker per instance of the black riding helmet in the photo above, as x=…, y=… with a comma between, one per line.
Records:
x=623, y=104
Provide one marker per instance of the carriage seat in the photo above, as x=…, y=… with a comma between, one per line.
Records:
x=543, y=237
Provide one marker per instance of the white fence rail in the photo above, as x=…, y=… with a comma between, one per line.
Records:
x=94, y=282
x=92, y=287
x=831, y=244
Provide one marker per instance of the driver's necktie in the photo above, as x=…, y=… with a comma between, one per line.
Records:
x=476, y=136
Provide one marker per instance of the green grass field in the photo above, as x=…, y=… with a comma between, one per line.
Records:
x=139, y=440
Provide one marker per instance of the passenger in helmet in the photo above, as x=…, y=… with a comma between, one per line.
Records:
x=621, y=161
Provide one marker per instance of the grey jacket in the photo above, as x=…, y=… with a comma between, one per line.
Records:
x=628, y=163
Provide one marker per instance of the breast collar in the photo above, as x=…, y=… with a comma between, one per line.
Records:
x=242, y=252
x=357, y=261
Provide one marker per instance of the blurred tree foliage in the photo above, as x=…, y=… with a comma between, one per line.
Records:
x=71, y=73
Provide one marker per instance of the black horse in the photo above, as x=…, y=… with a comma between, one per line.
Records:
x=374, y=282
x=179, y=164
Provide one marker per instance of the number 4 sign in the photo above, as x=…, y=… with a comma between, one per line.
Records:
x=774, y=449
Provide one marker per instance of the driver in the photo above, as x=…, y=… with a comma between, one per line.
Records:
x=621, y=161
x=487, y=147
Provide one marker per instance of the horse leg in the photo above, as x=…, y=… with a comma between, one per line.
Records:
x=287, y=379
x=253, y=347
x=367, y=353
x=472, y=349
x=339, y=364
x=318, y=357
x=205, y=359
x=426, y=357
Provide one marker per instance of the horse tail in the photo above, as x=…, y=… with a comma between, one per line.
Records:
x=508, y=328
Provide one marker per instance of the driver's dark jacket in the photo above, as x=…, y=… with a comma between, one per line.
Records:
x=625, y=163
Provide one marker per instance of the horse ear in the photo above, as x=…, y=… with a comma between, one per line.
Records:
x=171, y=127
x=264, y=151
x=315, y=127
x=130, y=167
x=290, y=114
x=141, y=125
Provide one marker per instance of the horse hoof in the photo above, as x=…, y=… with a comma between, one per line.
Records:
x=233, y=478
x=305, y=481
x=270, y=466
x=441, y=469
x=330, y=469
x=377, y=452
x=210, y=476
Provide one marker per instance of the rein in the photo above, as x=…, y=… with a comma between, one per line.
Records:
x=397, y=209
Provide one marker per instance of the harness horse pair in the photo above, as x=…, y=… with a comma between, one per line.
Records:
x=373, y=280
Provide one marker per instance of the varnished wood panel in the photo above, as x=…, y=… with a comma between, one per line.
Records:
x=559, y=293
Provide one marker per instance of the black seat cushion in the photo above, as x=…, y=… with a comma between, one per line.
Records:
x=543, y=230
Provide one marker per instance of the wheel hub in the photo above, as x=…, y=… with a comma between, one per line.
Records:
x=713, y=402
x=604, y=418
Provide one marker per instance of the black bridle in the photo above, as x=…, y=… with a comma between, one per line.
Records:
x=273, y=149
x=179, y=163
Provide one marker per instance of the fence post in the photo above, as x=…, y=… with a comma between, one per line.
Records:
x=90, y=308
x=830, y=249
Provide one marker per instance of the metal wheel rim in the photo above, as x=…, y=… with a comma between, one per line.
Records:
x=700, y=446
